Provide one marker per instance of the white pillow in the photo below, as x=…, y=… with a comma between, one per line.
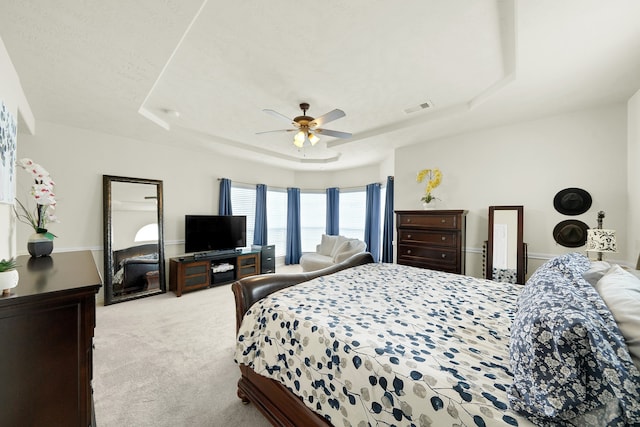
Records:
x=339, y=242
x=620, y=290
x=596, y=271
x=327, y=244
x=345, y=247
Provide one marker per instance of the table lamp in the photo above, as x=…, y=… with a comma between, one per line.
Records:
x=601, y=240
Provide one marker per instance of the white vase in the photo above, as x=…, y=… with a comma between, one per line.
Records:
x=429, y=206
x=8, y=280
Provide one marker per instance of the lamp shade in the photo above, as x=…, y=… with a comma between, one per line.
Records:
x=601, y=240
x=299, y=138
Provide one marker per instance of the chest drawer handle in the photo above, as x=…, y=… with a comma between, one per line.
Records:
x=408, y=251
x=444, y=255
x=444, y=238
x=408, y=236
x=408, y=219
x=443, y=221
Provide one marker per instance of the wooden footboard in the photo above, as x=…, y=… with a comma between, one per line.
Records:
x=278, y=404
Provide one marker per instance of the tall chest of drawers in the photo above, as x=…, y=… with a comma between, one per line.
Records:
x=434, y=239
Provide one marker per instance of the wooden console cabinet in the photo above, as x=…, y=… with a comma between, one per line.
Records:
x=189, y=274
x=434, y=239
x=46, y=333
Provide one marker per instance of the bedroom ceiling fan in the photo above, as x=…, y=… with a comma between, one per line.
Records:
x=307, y=128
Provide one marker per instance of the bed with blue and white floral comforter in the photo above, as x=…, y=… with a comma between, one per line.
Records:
x=384, y=344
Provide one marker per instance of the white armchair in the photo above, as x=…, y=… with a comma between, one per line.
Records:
x=330, y=251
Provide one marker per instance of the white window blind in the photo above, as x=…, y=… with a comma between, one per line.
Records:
x=243, y=202
x=277, y=219
x=313, y=215
x=353, y=210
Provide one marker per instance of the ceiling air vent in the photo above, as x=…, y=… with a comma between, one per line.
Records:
x=419, y=107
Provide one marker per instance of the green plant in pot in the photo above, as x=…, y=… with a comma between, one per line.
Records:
x=8, y=275
x=41, y=242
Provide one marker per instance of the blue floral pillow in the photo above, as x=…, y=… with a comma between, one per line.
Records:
x=567, y=354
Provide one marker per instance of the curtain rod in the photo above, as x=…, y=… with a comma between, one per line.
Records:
x=306, y=189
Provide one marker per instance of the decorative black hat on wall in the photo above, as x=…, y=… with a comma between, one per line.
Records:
x=571, y=233
x=572, y=201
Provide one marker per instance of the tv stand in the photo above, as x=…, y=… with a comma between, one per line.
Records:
x=199, y=271
x=214, y=254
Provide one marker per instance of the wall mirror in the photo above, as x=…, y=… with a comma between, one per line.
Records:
x=506, y=251
x=133, y=238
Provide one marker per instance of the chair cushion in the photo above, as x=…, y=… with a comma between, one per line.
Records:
x=312, y=261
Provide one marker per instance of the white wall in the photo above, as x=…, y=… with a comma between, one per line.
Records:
x=526, y=164
x=355, y=177
x=12, y=95
x=633, y=179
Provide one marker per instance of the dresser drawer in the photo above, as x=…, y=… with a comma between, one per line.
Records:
x=444, y=221
x=437, y=256
x=431, y=265
x=434, y=238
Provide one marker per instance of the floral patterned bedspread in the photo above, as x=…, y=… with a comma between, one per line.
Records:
x=385, y=344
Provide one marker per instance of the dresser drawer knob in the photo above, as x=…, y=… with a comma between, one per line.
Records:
x=408, y=219
x=443, y=221
x=408, y=236
x=444, y=255
x=408, y=251
x=444, y=238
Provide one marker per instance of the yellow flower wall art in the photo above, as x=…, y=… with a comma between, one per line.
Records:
x=433, y=177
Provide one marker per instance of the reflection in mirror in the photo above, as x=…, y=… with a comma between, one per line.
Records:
x=506, y=252
x=133, y=238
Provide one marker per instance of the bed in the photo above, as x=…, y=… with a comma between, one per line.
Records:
x=135, y=269
x=363, y=344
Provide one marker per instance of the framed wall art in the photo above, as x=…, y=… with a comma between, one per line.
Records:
x=8, y=145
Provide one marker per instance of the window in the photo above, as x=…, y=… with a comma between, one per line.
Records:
x=148, y=233
x=313, y=207
x=243, y=202
x=277, y=219
x=313, y=215
x=353, y=209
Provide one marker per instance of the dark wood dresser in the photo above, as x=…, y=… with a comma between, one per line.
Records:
x=46, y=334
x=433, y=239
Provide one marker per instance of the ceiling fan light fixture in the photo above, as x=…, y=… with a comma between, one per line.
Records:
x=313, y=139
x=307, y=127
x=298, y=139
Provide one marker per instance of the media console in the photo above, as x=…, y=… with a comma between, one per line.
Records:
x=202, y=270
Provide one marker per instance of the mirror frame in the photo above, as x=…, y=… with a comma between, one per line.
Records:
x=520, y=250
x=107, y=180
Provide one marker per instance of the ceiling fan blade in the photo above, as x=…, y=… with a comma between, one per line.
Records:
x=280, y=116
x=329, y=117
x=335, y=133
x=279, y=130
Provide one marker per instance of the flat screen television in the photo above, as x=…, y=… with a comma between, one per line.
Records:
x=203, y=233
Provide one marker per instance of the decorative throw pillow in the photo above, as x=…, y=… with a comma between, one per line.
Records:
x=327, y=244
x=620, y=290
x=596, y=271
x=343, y=249
x=567, y=355
x=339, y=241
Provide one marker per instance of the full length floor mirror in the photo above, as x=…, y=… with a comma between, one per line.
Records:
x=506, y=251
x=133, y=238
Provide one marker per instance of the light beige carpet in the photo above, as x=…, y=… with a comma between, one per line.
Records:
x=168, y=361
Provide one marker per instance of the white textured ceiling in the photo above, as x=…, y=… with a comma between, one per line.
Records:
x=119, y=67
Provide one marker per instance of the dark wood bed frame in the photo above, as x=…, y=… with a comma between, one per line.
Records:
x=278, y=404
